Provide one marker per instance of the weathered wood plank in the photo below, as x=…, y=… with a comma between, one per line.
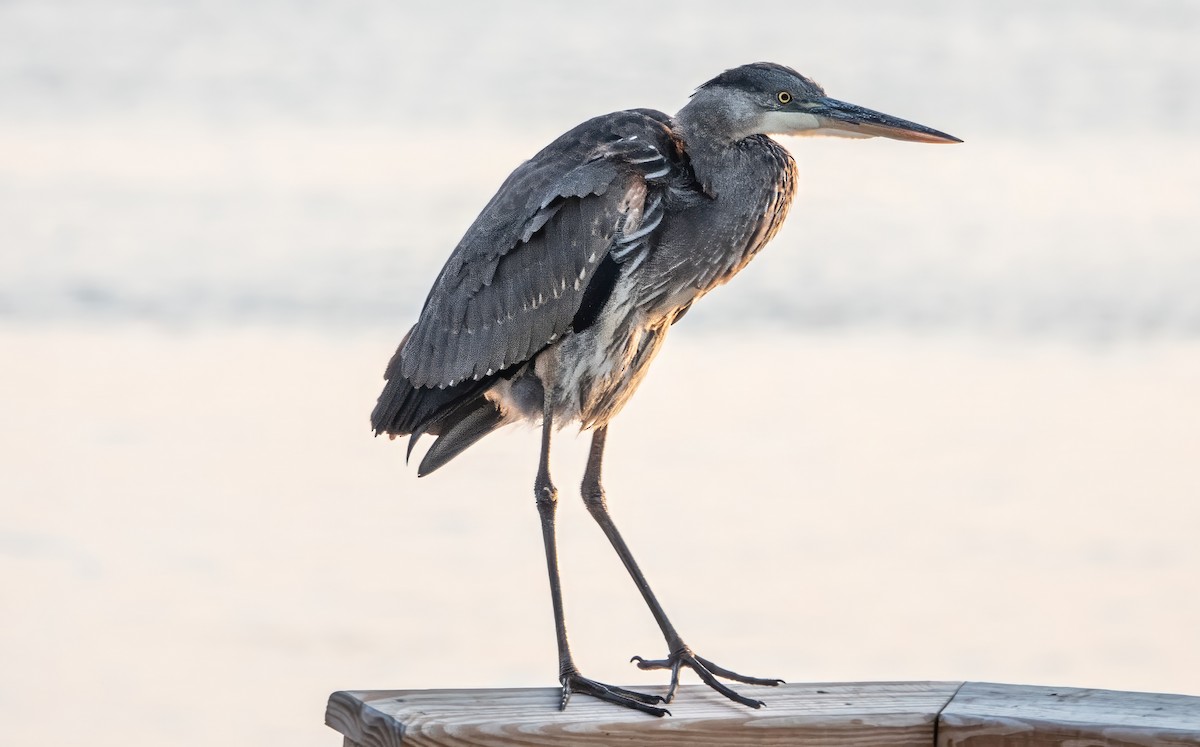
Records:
x=902, y=714
x=992, y=715
x=351, y=715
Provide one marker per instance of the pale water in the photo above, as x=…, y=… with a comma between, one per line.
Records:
x=963, y=440
x=313, y=163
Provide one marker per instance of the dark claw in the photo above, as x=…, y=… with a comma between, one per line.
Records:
x=575, y=682
x=708, y=673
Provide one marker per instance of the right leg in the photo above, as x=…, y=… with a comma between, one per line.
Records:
x=568, y=674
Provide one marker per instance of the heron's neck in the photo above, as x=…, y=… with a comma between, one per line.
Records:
x=719, y=116
x=715, y=126
x=717, y=161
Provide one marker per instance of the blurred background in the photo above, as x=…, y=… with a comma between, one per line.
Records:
x=947, y=426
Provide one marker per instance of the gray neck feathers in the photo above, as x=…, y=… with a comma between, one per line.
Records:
x=712, y=124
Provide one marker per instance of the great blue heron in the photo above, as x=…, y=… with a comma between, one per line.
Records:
x=561, y=292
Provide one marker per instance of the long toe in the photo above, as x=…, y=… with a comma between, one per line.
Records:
x=577, y=683
x=729, y=675
x=708, y=673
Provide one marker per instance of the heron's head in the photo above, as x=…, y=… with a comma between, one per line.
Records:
x=768, y=99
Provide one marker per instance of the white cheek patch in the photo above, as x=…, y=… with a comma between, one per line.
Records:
x=789, y=123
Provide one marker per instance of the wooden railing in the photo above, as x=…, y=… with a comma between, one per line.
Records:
x=945, y=714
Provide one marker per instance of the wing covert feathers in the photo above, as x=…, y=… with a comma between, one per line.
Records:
x=516, y=281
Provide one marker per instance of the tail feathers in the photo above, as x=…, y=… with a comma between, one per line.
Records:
x=403, y=409
x=458, y=415
x=457, y=435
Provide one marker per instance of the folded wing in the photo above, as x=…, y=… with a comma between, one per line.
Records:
x=518, y=278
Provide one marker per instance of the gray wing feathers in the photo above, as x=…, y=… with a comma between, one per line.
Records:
x=517, y=278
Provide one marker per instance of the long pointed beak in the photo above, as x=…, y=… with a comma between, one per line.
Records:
x=840, y=118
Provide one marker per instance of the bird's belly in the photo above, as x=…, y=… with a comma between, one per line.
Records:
x=597, y=370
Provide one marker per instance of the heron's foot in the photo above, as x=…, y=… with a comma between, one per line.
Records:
x=574, y=682
x=708, y=672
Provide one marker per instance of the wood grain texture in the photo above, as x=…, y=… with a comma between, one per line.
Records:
x=351, y=715
x=991, y=715
x=850, y=714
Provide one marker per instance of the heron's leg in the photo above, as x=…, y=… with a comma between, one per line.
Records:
x=568, y=674
x=680, y=654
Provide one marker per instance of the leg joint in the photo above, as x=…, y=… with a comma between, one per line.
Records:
x=545, y=494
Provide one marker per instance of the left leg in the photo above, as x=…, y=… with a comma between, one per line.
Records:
x=680, y=654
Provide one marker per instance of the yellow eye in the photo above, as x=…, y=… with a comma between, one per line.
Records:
x=784, y=97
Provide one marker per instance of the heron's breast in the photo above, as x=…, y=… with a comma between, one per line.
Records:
x=598, y=370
